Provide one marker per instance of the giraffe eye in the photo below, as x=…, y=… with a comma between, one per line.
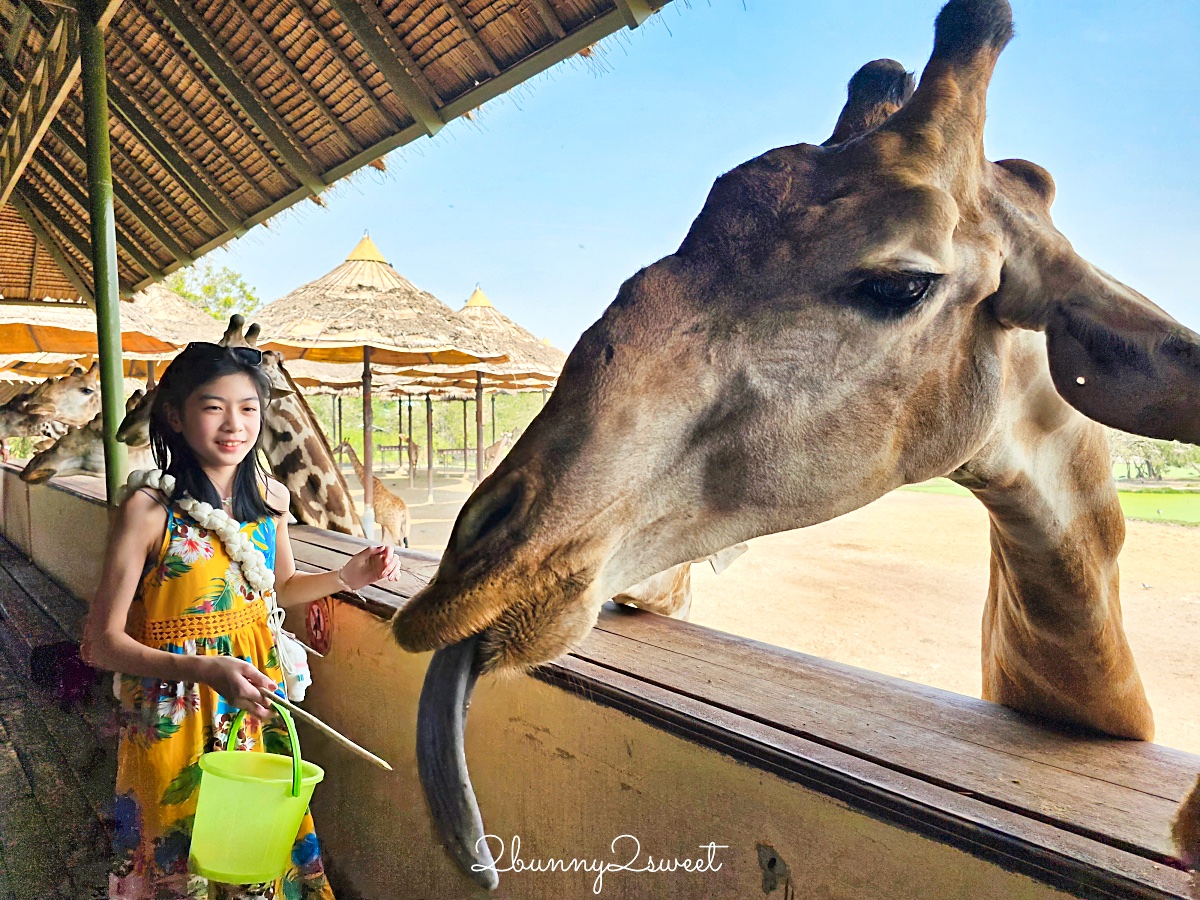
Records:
x=897, y=293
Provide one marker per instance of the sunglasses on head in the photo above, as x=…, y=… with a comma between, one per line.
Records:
x=248, y=355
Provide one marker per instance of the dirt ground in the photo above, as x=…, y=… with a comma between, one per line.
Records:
x=898, y=587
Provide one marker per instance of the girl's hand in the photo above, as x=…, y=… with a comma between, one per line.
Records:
x=371, y=565
x=240, y=683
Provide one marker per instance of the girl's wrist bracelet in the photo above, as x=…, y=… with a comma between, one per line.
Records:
x=342, y=580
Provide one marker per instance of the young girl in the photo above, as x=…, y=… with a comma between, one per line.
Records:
x=174, y=614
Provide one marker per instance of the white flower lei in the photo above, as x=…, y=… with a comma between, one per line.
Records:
x=239, y=547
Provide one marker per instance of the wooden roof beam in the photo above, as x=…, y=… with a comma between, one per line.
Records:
x=389, y=55
x=473, y=40
x=197, y=122
x=244, y=93
x=51, y=246
x=549, y=18
x=45, y=91
x=272, y=45
x=170, y=38
x=131, y=204
x=150, y=132
x=53, y=75
x=351, y=70
x=53, y=176
x=635, y=12
x=31, y=291
x=12, y=81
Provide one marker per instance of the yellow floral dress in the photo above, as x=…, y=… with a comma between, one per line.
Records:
x=193, y=600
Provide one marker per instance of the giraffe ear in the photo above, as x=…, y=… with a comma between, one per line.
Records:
x=876, y=91
x=1114, y=355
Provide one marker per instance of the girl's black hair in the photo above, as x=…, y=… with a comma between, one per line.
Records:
x=189, y=371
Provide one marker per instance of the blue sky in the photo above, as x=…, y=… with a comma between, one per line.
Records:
x=567, y=186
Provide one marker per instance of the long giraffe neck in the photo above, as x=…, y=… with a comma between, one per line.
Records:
x=359, y=471
x=300, y=457
x=1053, y=642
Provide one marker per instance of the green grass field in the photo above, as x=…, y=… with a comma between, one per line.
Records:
x=1177, y=507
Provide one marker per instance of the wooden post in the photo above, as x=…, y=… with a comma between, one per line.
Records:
x=429, y=447
x=340, y=437
x=410, y=440
x=105, y=289
x=478, y=427
x=465, y=442
x=150, y=379
x=493, y=417
x=543, y=396
x=368, y=419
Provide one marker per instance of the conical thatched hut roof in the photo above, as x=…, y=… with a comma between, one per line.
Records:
x=365, y=302
x=155, y=324
x=525, y=352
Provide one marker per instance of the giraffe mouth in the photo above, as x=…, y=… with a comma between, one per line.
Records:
x=442, y=760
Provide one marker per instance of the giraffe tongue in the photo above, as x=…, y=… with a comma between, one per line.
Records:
x=442, y=760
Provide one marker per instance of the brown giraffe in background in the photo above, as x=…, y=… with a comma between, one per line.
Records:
x=890, y=297
x=81, y=451
x=391, y=512
x=51, y=407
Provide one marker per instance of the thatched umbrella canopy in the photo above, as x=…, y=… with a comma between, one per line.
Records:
x=525, y=352
x=364, y=302
x=366, y=312
x=532, y=364
x=155, y=324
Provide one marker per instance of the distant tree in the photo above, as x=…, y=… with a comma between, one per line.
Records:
x=219, y=291
x=1145, y=457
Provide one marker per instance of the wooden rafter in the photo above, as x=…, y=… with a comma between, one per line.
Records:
x=132, y=204
x=170, y=39
x=49, y=83
x=53, y=76
x=151, y=131
x=473, y=39
x=635, y=12
x=51, y=245
x=340, y=55
x=549, y=18
x=10, y=80
x=31, y=292
x=272, y=45
x=54, y=177
x=250, y=100
x=389, y=55
x=197, y=121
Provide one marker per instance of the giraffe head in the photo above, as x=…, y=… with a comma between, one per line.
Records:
x=857, y=302
x=81, y=450
x=135, y=427
x=73, y=399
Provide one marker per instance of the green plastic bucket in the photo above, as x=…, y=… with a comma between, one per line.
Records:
x=249, y=809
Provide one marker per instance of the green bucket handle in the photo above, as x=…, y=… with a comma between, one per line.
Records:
x=231, y=744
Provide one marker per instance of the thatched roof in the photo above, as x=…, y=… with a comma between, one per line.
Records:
x=27, y=271
x=364, y=302
x=526, y=353
x=225, y=112
x=155, y=324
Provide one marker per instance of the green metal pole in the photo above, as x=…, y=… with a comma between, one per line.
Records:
x=104, y=244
